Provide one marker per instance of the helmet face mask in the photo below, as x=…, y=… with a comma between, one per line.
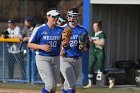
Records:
x=73, y=16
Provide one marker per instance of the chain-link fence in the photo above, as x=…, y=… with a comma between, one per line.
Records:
x=17, y=66
x=35, y=75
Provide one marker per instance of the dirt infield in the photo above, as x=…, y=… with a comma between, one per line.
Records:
x=2, y=90
x=17, y=91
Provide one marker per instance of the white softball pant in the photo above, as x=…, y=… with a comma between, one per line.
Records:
x=70, y=69
x=49, y=69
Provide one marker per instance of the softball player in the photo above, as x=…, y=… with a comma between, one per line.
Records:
x=46, y=41
x=70, y=63
x=97, y=53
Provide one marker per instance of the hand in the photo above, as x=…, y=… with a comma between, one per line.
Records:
x=92, y=40
x=62, y=53
x=2, y=36
x=85, y=49
x=46, y=47
x=25, y=39
x=19, y=36
x=95, y=41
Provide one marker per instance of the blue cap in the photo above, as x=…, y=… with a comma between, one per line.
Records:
x=11, y=21
x=29, y=19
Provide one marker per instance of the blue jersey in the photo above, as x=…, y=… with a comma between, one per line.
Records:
x=74, y=50
x=52, y=37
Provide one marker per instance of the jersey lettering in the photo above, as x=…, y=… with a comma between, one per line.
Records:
x=74, y=37
x=51, y=37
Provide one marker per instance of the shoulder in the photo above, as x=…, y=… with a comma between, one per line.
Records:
x=92, y=34
x=8, y=29
x=59, y=28
x=63, y=26
x=81, y=27
x=41, y=27
x=102, y=35
x=37, y=27
x=18, y=28
x=25, y=29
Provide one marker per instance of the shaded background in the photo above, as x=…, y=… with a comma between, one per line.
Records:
x=18, y=9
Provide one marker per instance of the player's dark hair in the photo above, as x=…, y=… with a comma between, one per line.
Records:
x=99, y=22
x=75, y=10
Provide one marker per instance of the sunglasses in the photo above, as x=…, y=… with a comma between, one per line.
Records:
x=56, y=17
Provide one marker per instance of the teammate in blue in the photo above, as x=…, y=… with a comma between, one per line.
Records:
x=70, y=63
x=47, y=41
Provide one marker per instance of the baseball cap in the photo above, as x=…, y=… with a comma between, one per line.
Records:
x=29, y=19
x=53, y=13
x=11, y=21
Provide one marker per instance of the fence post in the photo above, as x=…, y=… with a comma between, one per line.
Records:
x=3, y=61
x=33, y=67
x=28, y=76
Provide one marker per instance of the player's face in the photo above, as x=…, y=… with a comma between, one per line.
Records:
x=73, y=18
x=26, y=23
x=11, y=25
x=53, y=19
x=96, y=27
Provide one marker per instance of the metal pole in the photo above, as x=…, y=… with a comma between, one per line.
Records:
x=3, y=61
x=86, y=23
x=86, y=14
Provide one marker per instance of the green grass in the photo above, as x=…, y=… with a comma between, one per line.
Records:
x=20, y=86
x=113, y=90
x=116, y=89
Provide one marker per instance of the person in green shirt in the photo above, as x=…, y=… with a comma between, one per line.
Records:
x=97, y=53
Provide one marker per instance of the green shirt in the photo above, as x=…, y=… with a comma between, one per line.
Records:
x=100, y=35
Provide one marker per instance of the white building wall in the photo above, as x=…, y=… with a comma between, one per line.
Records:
x=115, y=2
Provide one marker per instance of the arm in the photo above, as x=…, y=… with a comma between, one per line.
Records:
x=44, y=47
x=100, y=42
x=26, y=39
x=84, y=41
x=33, y=43
x=17, y=32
